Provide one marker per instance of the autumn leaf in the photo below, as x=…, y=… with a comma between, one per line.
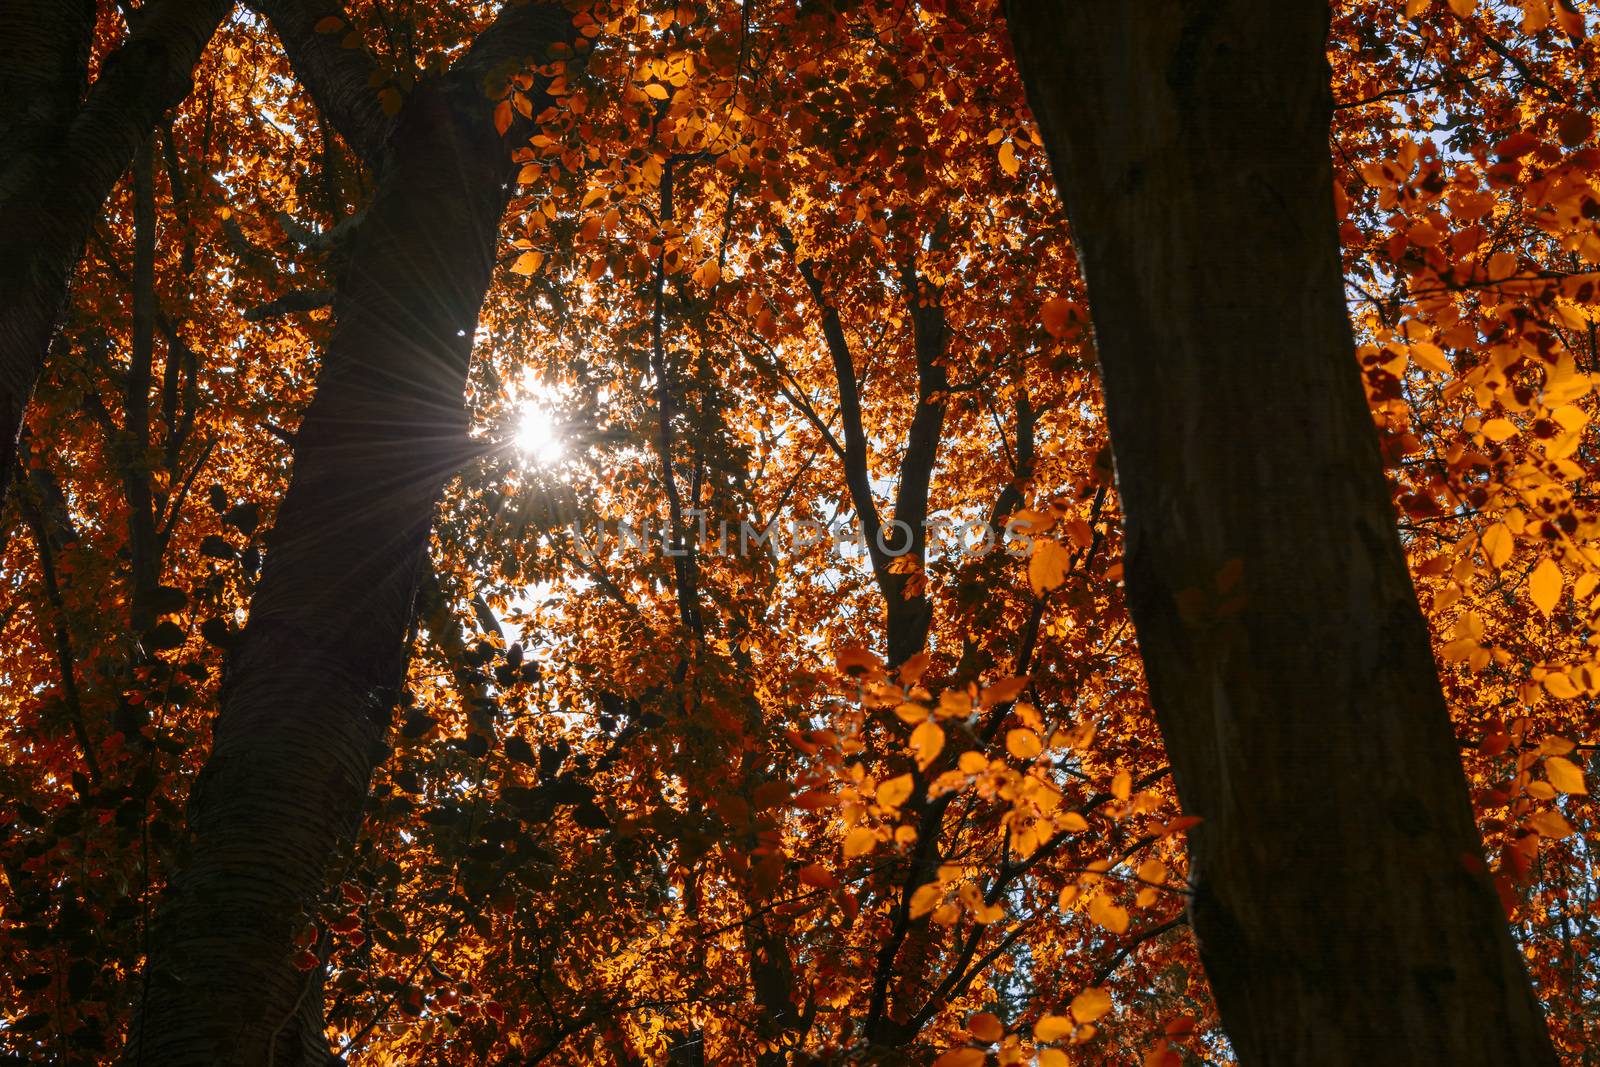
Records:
x=927, y=741
x=1550, y=824
x=962, y=1057
x=1049, y=565
x=1053, y=1028
x=1544, y=586
x=1564, y=774
x=1090, y=1005
x=1430, y=357
x=1499, y=430
x=986, y=1027
x=528, y=263
x=1023, y=743
x=925, y=899
x=859, y=842
x=1109, y=915
x=893, y=793
x=1497, y=544
x=1008, y=158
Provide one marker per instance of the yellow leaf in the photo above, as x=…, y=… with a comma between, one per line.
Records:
x=329, y=24
x=859, y=842
x=972, y=763
x=1121, y=785
x=1108, y=915
x=893, y=793
x=1550, y=824
x=655, y=91
x=1556, y=745
x=1152, y=871
x=911, y=713
x=527, y=263
x=1023, y=743
x=1498, y=430
x=1048, y=567
x=708, y=274
x=986, y=1027
x=1571, y=417
x=1544, y=586
x=1090, y=1005
x=1053, y=1057
x=1430, y=356
x=1463, y=7
x=1564, y=774
x=853, y=659
x=925, y=899
x=927, y=741
x=1008, y=158
x=1003, y=692
x=955, y=704
x=1075, y=822
x=1052, y=1028
x=1498, y=542
x=962, y=1057
x=1560, y=686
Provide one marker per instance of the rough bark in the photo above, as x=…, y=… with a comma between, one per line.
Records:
x=61, y=159
x=1342, y=907
x=312, y=683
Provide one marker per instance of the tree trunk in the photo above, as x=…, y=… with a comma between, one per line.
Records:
x=1342, y=904
x=312, y=683
x=61, y=160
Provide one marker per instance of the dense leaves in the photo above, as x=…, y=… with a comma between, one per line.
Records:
x=659, y=791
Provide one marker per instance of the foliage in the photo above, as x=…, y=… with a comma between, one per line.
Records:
x=767, y=262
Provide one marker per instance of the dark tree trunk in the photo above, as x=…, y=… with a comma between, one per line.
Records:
x=312, y=682
x=1342, y=907
x=61, y=160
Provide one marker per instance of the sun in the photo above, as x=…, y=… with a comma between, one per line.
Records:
x=538, y=437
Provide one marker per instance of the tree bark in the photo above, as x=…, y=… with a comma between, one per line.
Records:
x=61, y=160
x=1342, y=904
x=311, y=686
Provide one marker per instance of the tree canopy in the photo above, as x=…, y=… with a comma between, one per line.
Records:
x=884, y=787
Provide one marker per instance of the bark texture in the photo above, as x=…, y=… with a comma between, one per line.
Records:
x=312, y=683
x=62, y=158
x=1342, y=906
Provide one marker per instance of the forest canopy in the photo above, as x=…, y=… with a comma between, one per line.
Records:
x=799, y=531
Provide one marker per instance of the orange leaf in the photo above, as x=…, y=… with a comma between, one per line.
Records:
x=1090, y=1005
x=1564, y=774
x=893, y=793
x=927, y=741
x=986, y=1027
x=859, y=842
x=1544, y=586
x=1023, y=743
x=1049, y=565
x=1008, y=158
x=1052, y=1028
x=1111, y=916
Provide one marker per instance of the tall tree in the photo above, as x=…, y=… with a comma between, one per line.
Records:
x=316, y=673
x=65, y=149
x=1342, y=904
